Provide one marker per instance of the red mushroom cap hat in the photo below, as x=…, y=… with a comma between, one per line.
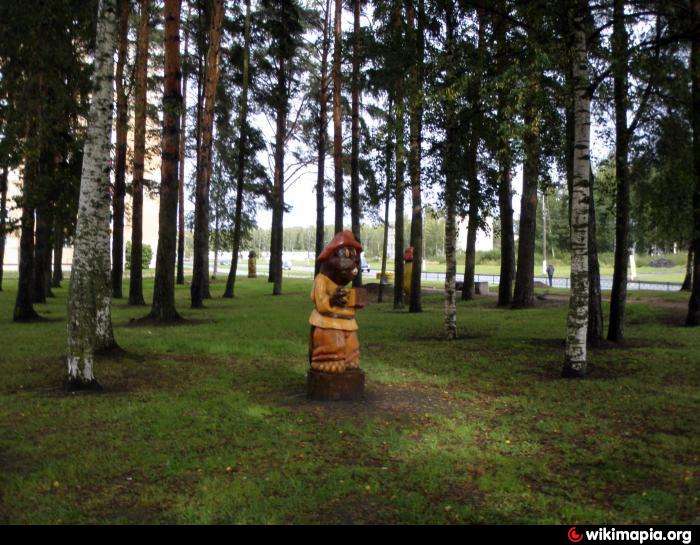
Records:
x=408, y=254
x=346, y=238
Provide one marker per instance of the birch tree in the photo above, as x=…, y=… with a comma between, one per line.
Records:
x=577, y=320
x=89, y=301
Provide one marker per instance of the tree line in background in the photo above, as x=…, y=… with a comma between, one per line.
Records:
x=441, y=98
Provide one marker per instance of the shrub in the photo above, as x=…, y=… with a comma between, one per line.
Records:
x=146, y=255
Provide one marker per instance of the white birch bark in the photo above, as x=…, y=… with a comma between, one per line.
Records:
x=577, y=321
x=89, y=302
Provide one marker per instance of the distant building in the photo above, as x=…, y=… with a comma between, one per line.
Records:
x=151, y=206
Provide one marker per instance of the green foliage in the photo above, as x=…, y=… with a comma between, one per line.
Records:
x=146, y=252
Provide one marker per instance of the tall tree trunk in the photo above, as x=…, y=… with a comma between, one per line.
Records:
x=355, y=151
x=399, y=186
x=242, y=124
x=89, y=301
x=278, y=191
x=400, y=189
x=180, y=280
x=451, y=184
x=389, y=154
x=57, y=252
x=199, y=289
x=272, y=267
x=523, y=295
x=415, y=26
x=577, y=321
x=322, y=136
x=163, y=307
x=688, y=280
x=473, y=173
x=24, y=310
x=505, y=190
x=618, y=296
x=42, y=243
x=693, y=318
x=140, y=90
x=123, y=7
x=337, y=122
x=3, y=217
x=595, y=300
x=217, y=209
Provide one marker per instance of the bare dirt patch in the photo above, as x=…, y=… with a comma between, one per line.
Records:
x=386, y=400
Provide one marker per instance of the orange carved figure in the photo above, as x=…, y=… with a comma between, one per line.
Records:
x=252, y=268
x=334, y=346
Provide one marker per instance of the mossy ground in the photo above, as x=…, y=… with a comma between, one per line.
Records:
x=206, y=422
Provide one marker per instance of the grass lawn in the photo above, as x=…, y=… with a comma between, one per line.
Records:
x=207, y=422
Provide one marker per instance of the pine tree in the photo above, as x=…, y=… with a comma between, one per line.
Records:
x=163, y=308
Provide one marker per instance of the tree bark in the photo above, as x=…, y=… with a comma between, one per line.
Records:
x=618, y=296
x=89, y=302
x=414, y=160
x=451, y=185
x=180, y=280
x=595, y=300
x=163, y=307
x=355, y=149
x=199, y=289
x=389, y=154
x=399, y=186
x=505, y=190
x=3, y=217
x=123, y=7
x=524, y=294
x=473, y=173
x=140, y=90
x=693, y=318
x=577, y=321
x=688, y=279
x=278, y=190
x=57, y=252
x=242, y=124
x=337, y=122
x=42, y=254
x=322, y=137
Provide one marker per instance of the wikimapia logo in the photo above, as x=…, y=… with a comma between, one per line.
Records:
x=636, y=536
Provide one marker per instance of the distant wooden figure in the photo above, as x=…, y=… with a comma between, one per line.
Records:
x=334, y=348
x=407, y=272
x=252, y=267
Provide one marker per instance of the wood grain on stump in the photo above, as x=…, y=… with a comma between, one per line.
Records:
x=336, y=386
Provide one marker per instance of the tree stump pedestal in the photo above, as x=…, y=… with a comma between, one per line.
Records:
x=324, y=386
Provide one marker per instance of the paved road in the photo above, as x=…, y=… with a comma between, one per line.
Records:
x=493, y=279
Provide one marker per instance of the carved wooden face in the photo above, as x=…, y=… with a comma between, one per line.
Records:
x=342, y=265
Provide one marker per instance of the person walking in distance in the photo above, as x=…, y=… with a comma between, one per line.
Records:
x=550, y=273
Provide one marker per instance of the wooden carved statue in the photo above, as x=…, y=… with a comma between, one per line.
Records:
x=252, y=267
x=334, y=343
x=407, y=272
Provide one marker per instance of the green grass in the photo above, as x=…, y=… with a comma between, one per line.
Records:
x=207, y=422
